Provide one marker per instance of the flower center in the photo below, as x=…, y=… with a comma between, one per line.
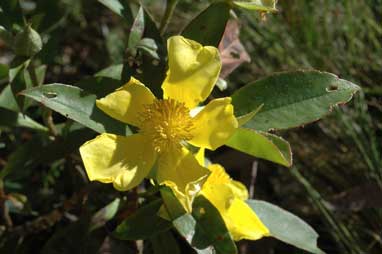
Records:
x=168, y=123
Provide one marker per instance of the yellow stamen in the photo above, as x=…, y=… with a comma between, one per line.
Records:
x=168, y=123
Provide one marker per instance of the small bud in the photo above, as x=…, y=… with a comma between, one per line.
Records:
x=27, y=42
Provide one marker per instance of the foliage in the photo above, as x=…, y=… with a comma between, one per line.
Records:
x=63, y=56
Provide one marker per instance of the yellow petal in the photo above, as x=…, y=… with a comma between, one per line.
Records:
x=123, y=161
x=179, y=170
x=200, y=156
x=127, y=102
x=239, y=190
x=227, y=196
x=214, y=125
x=243, y=223
x=193, y=71
x=219, y=176
x=220, y=195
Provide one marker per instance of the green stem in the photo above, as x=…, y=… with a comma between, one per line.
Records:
x=170, y=7
x=48, y=121
x=47, y=113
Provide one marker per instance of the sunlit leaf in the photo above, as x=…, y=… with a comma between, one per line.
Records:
x=291, y=99
x=262, y=145
x=105, y=214
x=257, y=5
x=117, y=7
x=137, y=29
x=286, y=226
x=17, y=80
x=205, y=229
x=76, y=104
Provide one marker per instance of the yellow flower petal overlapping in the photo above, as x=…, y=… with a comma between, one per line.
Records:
x=228, y=196
x=165, y=125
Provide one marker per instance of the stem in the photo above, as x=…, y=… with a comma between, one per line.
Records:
x=47, y=113
x=4, y=213
x=32, y=72
x=48, y=121
x=170, y=7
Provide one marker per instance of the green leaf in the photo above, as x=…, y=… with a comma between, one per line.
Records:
x=286, y=226
x=208, y=27
x=17, y=80
x=50, y=15
x=10, y=118
x=143, y=224
x=247, y=117
x=205, y=229
x=7, y=100
x=104, y=215
x=5, y=35
x=72, y=239
x=11, y=14
x=22, y=156
x=262, y=145
x=4, y=70
x=37, y=152
x=100, y=86
x=171, y=204
x=291, y=99
x=113, y=72
x=145, y=66
x=115, y=41
x=165, y=243
x=40, y=72
x=137, y=29
x=257, y=5
x=78, y=105
x=122, y=9
x=149, y=46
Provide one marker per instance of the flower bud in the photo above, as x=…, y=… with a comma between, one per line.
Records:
x=27, y=42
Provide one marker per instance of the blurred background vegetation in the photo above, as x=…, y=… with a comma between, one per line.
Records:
x=336, y=181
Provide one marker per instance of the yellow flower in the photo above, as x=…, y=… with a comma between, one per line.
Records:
x=228, y=196
x=164, y=125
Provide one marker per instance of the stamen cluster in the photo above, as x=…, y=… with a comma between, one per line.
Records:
x=168, y=123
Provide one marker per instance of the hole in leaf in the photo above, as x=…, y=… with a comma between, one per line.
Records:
x=332, y=88
x=50, y=94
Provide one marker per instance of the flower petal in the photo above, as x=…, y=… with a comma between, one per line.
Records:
x=239, y=190
x=127, y=102
x=220, y=195
x=193, y=71
x=219, y=176
x=239, y=218
x=243, y=223
x=123, y=161
x=200, y=156
x=214, y=125
x=179, y=170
